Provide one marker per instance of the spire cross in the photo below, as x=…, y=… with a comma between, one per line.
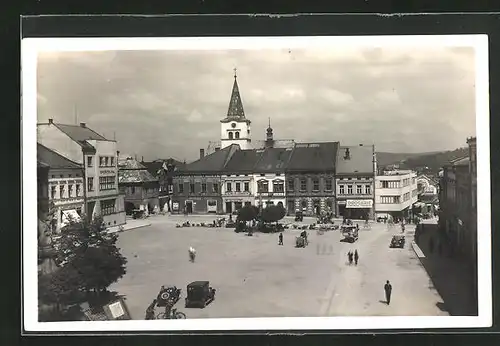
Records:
x=234, y=69
x=269, y=121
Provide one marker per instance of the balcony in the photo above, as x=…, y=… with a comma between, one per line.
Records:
x=236, y=193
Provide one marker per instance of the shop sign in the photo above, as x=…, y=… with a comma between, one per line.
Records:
x=175, y=206
x=359, y=203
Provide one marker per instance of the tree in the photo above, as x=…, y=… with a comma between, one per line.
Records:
x=248, y=213
x=273, y=213
x=87, y=251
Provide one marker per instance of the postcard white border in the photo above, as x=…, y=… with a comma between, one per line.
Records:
x=29, y=52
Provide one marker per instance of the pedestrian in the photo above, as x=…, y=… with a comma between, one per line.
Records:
x=349, y=256
x=388, y=292
x=280, y=239
x=356, y=257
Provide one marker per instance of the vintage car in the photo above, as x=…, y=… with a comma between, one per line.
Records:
x=299, y=216
x=350, y=233
x=168, y=295
x=199, y=293
x=301, y=241
x=397, y=241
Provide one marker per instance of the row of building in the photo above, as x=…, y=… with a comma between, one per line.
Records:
x=86, y=176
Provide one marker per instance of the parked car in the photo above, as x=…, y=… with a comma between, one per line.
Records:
x=397, y=241
x=199, y=293
x=299, y=216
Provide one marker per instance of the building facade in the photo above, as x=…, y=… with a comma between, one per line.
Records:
x=42, y=178
x=355, y=182
x=98, y=157
x=310, y=174
x=197, y=186
x=64, y=191
x=395, y=193
x=140, y=187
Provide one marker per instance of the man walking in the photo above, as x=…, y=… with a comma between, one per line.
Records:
x=388, y=291
x=349, y=256
x=280, y=239
x=356, y=257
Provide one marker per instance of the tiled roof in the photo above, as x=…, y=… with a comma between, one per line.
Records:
x=235, y=110
x=130, y=163
x=135, y=176
x=79, y=133
x=272, y=160
x=213, y=162
x=243, y=161
x=313, y=157
x=277, y=143
x=360, y=160
x=153, y=167
x=54, y=160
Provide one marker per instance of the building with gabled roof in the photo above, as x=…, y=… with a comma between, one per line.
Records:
x=98, y=158
x=356, y=168
x=140, y=187
x=64, y=188
x=310, y=175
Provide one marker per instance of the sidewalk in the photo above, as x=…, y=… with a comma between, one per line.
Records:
x=131, y=224
x=451, y=276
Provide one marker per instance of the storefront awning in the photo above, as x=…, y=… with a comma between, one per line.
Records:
x=69, y=215
x=359, y=203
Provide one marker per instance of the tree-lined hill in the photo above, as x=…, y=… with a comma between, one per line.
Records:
x=418, y=161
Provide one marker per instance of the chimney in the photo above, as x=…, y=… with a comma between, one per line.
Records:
x=83, y=125
x=202, y=153
x=347, y=155
x=51, y=121
x=361, y=144
x=142, y=158
x=217, y=148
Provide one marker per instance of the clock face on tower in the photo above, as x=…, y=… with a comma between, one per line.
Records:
x=233, y=125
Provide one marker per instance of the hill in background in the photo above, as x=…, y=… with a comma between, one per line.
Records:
x=419, y=161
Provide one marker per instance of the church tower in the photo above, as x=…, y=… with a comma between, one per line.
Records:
x=235, y=128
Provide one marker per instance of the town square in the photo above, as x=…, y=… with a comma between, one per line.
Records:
x=257, y=185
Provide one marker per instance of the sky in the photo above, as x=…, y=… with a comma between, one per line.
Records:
x=161, y=104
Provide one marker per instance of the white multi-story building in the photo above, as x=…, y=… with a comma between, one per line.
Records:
x=98, y=157
x=395, y=193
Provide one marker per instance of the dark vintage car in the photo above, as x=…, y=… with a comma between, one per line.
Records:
x=299, y=216
x=199, y=294
x=168, y=295
x=397, y=241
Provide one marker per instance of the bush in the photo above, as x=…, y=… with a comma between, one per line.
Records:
x=248, y=213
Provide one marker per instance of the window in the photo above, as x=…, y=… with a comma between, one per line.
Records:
x=341, y=189
x=236, y=135
x=359, y=189
x=108, y=206
x=106, y=161
x=349, y=189
x=328, y=185
x=368, y=189
x=291, y=185
x=385, y=184
x=61, y=191
x=238, y=187
x=112, y=161
x=107, y=183
x=101, y=161
x=263, y=186
x=53, y=192
x=215, y=187
x=278, y=186
x=89, y=161
x=229, y=187
x=303, y=185
x=389, y=199
x=247, y=187
x=191, y=188
x=77, y=190
x=203, y=187
x=90, y=184
x=315, y=184
x=230, y=135
x=70, y=190
x=181, y=188
x=390, y=184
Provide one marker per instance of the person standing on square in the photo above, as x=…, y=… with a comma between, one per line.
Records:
x=388, y=292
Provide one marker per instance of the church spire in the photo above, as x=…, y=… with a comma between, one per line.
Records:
x=235, y=110
x=269, y=131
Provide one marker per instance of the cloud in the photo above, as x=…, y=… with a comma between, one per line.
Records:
x=161, y=104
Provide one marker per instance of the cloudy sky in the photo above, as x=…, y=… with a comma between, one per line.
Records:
x=163, y=104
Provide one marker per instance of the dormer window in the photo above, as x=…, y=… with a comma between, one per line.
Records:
x=230, y=135
x=236, y=135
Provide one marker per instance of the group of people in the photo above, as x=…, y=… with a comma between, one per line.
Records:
x=353, y=256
